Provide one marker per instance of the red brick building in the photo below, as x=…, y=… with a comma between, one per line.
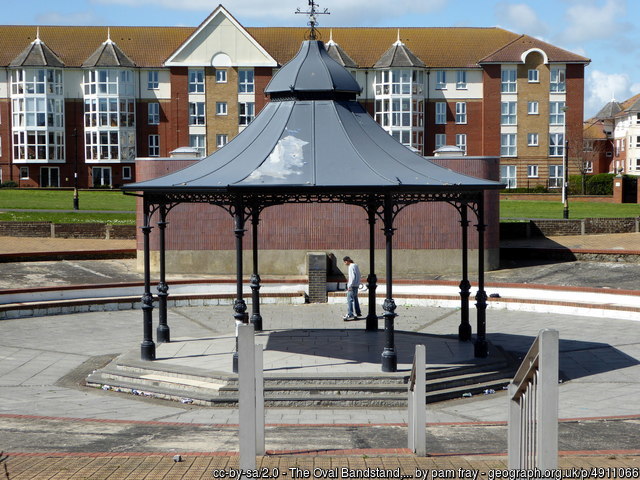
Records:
x=89, y=100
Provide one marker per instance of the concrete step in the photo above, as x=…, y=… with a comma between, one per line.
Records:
x=201, y=387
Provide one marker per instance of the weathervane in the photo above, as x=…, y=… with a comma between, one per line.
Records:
x=312, y=12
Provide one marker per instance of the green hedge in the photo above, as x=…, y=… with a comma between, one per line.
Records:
x=600, y=184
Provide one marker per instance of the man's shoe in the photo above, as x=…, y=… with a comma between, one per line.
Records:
x=347, y=318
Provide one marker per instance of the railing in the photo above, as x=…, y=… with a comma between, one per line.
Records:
x=533, y=407
x=417, y=393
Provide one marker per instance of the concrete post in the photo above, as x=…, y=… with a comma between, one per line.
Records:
x=260, y=450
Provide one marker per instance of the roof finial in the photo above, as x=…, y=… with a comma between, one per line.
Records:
x=398, y=41
x=37, y=40
x=312, y=12
x=331, y=42
x=109, y=35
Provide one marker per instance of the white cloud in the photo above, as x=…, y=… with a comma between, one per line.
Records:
x=521, y=18
x=601, y=87
x=347, y=12
x=589, y=20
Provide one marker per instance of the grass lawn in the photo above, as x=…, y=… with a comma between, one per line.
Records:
x=511, y=209
x=63, y=199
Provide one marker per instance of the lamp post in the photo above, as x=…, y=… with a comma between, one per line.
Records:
x=565, y=181
x=76, y=200
x=565, y=169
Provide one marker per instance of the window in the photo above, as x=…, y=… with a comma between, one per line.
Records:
x=196, y=81
x=588, y=166
x=441, y=80
x=199, y=143
x=246, y=113
x=245, y=81
x=153, y=82
x=461, y=80
x=154, y=145
x=556, y=144
x=24, y=173
x=558, y=80
x=221, y=76
x=49, y=176
x=441, y=140
x=461, y=142
x=441, y=113
x=508, y=175
x=532, y=139
x=126, y=173
x=556, y=113
x=534, y=76
x=532, y=171
x=101, y=176
x=153, y=112
x=509, y=76
x=221, y=108
x=532, y=108
x=508, y=116
x=196, y=113
x=508, y=145
x=638, y=141
x=38, y=145
x=461, y=112
x=556, y=174
x=221, y=140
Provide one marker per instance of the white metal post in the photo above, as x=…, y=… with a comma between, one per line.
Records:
x=260, y=444
x=417, y=416
x=547, y=439
x=247, y=396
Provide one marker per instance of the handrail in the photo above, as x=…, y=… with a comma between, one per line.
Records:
x=533, y=406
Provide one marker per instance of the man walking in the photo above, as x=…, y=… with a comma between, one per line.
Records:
x=352, y=290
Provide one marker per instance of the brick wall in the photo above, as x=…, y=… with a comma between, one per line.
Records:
x=560, y=227
x=556, y=197
x=67, y=230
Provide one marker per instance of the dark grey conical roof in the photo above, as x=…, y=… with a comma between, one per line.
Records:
x=312, y=70
x=399, y=55
x=37, y=54
x=312, y=143
x=609, y=110
x=109, y=55
x=336, y=52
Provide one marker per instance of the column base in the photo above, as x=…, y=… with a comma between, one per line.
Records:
x=464, y=332
x=256, y=321
x=148, y=351
x=371, y=324
x=389, y=361
x=481, y=348
x=163, y=334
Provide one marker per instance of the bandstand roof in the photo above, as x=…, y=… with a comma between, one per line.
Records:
x=312, y=138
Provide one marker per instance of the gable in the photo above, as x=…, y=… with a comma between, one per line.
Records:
x=220, y=36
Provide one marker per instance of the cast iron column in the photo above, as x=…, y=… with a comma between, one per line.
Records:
x=256, y=318
x=162, y=332
x=389, y=357
x=147, y=348
x=481, y=347
x=239, y=306
x=372, y=280
x=464, y=330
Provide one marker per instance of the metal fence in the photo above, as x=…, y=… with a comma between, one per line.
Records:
x=533, y=406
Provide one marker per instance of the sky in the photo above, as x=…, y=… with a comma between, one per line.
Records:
x=602, y=30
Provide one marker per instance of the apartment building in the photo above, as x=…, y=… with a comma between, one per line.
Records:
x=612, y=137
x=79, y=104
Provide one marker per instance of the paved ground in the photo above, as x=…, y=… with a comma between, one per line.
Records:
x=617, y=275
x=103, y=434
